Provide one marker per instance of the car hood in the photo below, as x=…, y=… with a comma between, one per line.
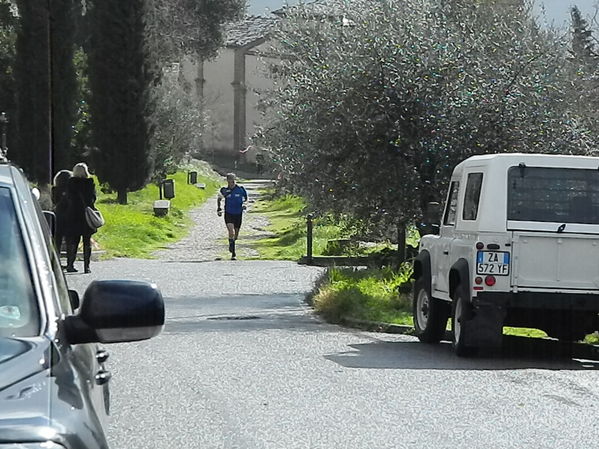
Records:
x=40, y=399
x=21, y=358
x=24, y=389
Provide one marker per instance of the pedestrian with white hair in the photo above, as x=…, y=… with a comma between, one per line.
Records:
x=81, y=193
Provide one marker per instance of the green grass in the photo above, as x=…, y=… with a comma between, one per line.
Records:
x=288, y=225
x=524, y=332
x=592, y=339
x=287, y=215
x=132, y=230
x=368, y=294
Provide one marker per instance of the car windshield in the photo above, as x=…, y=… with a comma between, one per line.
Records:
x=560, y=195
x=19, y=315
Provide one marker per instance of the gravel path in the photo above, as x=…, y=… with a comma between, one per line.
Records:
x=207, y=239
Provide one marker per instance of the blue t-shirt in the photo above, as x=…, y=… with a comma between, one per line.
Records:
x=234, y=199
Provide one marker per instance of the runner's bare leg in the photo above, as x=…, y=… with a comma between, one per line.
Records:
x=232, y=237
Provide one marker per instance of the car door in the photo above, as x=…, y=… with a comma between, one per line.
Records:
x=82, y=377
x=442, y=256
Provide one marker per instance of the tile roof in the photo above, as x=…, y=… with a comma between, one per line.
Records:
x=318, y=7
x=248, y=30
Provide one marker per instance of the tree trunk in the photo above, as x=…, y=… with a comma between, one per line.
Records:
x=121, y=196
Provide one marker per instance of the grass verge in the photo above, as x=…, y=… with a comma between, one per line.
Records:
x=287, y=217
x=132, y=230
x=368, y=294
x=288, y=226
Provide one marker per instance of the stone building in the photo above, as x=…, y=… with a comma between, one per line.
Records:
x=229, y=87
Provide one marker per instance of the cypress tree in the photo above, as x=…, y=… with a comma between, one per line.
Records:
x=120, y=78
x=582, y=44
x=8, y=24
x=33, y=152
x=46, y=87
x=63, y=20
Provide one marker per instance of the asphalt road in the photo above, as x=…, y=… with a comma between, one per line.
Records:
x=243, y=363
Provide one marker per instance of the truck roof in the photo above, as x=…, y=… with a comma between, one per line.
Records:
x=533, y=159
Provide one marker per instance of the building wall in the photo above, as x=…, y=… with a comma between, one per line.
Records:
x=213, y=80
x=240, y=72
x=258, y=84
x=217, y=93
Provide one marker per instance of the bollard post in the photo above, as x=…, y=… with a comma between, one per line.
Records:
x=168, y=188
x=309, y=239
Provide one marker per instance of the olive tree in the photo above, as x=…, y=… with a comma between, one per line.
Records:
x=376, y=102
x=178, y=126
x=183, y=27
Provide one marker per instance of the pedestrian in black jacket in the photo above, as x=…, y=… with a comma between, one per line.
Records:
x=81, y=192
x=61, y=206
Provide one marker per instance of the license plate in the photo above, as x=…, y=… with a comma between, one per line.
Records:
x=496, y=263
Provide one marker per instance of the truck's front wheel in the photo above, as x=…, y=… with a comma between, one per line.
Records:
x=462, y=312
x=430, y=314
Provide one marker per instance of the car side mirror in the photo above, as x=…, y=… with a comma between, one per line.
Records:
x=433, y=212
x=74, y=299
x=431, y=218
x=117, y=311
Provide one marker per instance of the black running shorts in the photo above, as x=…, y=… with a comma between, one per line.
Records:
x=235, y=219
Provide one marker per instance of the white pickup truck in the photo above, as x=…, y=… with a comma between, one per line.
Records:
x=518, y=245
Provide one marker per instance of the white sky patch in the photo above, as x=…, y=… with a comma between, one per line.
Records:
x=557, y=12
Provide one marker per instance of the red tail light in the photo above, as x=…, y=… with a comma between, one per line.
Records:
x=490, y=281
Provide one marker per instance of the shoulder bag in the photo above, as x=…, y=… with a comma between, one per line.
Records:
x=93, y=217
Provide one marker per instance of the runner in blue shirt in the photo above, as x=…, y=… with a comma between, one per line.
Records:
x=235, y=197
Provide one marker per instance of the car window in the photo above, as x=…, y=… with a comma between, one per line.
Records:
x=472, y=196
x=560, y=195
x=61, y=285
x=19, y=315
x=452, y=204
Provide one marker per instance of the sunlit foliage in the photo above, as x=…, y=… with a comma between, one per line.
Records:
x=377, y=101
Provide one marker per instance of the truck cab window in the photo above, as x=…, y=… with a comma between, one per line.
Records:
x=472, y=196
x=560, y=195
x=452, y=204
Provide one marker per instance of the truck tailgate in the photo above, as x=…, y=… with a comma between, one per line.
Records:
x=552, y=260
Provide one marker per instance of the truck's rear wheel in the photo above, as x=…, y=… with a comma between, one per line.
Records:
x=430, y=314
x=462, y=312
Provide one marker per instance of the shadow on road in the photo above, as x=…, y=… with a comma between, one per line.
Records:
x=242, y=313
x=516, y=353
x=294, y=320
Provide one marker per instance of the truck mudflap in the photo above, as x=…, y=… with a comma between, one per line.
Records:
x=485, y=328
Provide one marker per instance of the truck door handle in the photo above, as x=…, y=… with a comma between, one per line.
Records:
x=103, y=377
x=102, y=355
x=446, y=252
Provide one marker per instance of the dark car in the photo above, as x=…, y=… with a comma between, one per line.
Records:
x=53, y=379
